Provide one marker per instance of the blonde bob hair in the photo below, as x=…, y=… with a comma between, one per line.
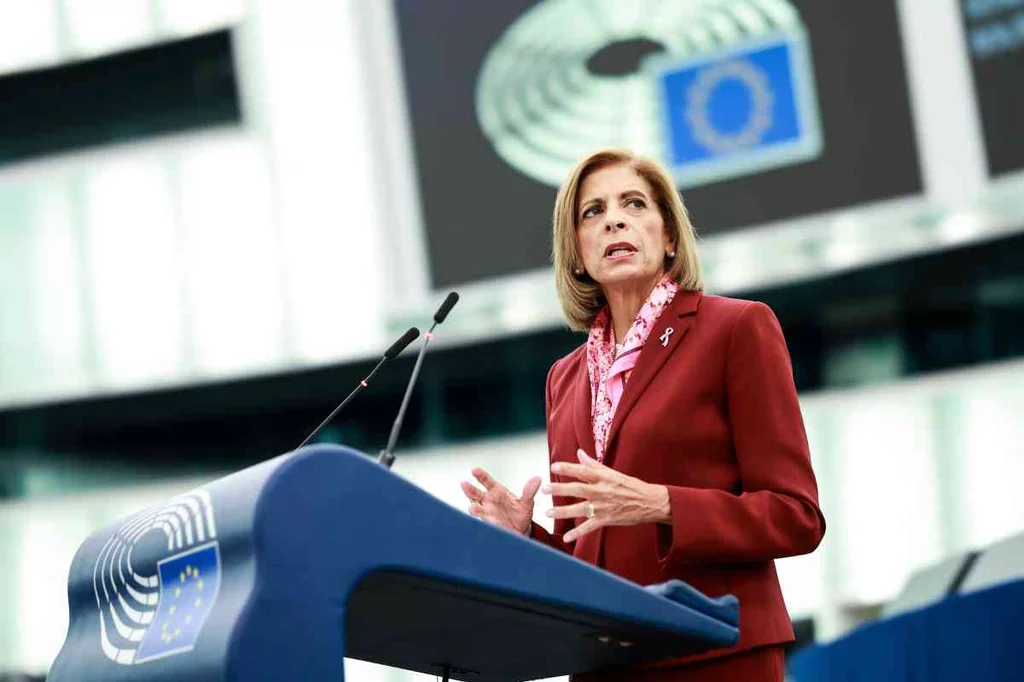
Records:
x=581, y=297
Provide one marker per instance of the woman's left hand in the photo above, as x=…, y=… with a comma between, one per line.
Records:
x=609, y=498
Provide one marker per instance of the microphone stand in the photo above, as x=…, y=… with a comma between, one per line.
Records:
x=387, y=455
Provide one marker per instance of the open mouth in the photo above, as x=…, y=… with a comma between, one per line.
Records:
x=619, y=250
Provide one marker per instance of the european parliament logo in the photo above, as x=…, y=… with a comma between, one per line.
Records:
x=149, y=606
x=743, y=110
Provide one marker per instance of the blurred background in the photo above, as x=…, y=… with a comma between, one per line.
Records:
x=214, y=215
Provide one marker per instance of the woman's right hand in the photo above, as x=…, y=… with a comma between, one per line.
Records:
x=499, y=505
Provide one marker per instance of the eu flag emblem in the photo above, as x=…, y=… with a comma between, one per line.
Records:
x=189, y=582
x=742, y=110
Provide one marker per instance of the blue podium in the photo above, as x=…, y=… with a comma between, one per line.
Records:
x=281, y=570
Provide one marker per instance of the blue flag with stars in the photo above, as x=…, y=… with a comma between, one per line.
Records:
x=188, y=589
x=742, y=110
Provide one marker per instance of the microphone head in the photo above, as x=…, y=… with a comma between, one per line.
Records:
x=446, y=307
x=398, y=346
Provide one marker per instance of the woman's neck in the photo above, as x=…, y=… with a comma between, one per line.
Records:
x=625, y=302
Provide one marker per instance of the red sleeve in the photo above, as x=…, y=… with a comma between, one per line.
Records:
x=554, y=540
x=562, y=526
x=777, y=513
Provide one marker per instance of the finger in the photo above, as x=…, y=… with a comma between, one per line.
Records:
x=587, y=474
x=581, y=490
x=591, y=462
x=485, y=479
x=587, y=526
x=472, y=492
x=476, y=510
x=531, y=488
x=568, y=511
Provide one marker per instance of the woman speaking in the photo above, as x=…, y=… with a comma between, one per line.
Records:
x=675, y=437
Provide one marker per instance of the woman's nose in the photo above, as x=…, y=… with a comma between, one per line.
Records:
x=616, y=223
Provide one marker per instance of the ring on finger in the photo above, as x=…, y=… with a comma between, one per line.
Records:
x=590, y=510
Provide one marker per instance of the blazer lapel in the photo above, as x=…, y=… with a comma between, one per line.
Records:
x=657, y=349
x=582, y=407
x=588, y=547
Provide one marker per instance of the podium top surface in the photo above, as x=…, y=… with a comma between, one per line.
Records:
x=283, y=569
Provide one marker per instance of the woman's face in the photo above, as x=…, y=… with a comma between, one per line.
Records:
x=620, y=230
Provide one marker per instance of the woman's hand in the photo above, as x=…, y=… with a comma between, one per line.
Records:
x=499, y=505
x=609, y=498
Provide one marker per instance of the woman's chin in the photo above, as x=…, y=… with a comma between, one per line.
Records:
x=625, y=275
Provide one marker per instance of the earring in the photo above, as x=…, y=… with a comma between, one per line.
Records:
x=579, y=272
x=671, y=254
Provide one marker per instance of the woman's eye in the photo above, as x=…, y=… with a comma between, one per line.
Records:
x=636, y=203
x=590, y=212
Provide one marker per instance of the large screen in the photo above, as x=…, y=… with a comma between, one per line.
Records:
x=995, y=40
x=762, y=109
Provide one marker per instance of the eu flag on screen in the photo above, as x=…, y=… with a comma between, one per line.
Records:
x=188, y=588
x=743, y=110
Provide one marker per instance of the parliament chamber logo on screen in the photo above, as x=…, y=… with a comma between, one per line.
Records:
x=151, y=606
x=715, y=89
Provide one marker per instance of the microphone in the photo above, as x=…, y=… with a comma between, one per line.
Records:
x=387, y=456
x=391, y=353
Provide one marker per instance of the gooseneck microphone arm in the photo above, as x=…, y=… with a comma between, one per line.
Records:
x=387, y=455
x=397, y=347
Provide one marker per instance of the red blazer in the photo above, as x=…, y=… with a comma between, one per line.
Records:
x=714, y=416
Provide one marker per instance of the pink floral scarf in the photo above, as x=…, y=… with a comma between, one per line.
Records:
x=608, y=371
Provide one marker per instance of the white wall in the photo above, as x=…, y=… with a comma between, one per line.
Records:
x=296, y=239
x=235, y=250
